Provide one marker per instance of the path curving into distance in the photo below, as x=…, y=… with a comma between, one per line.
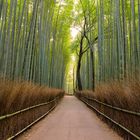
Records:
x=71, y=120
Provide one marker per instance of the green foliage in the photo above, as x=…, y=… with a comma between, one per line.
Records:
x=116, y=24
x=34, y=37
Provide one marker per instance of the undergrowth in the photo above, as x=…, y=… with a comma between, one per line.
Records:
x=15, y=96
x=125, y=95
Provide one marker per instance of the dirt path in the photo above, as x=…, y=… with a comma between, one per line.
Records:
x=71, y=120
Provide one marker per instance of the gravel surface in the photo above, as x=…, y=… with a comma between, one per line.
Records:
x=70, y=120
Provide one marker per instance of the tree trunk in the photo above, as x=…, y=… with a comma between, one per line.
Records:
x=79, y=83
x=92, y=70
x=78, y=75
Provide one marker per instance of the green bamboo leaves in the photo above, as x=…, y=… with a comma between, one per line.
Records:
x=35, y=36
x=32, y=40
x=116, y=54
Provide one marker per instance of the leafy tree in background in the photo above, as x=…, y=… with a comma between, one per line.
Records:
x=115, y=56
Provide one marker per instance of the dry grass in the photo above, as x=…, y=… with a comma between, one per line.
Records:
x=120, y=94
x=15, y=96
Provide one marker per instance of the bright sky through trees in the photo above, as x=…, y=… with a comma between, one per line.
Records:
x=74, y=33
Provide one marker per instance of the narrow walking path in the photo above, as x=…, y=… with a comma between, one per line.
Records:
x=71, y=120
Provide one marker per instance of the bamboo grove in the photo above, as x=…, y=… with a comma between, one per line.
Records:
x=35, y=41
x=33, y=44
x=91, y=47
x=110, y=41
x=108, y=61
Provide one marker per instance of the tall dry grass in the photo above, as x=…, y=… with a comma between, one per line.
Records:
x=124, y=95
x=15, y=96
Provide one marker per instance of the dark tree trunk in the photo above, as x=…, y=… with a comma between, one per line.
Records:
x=79, y=83
x=92, y=70
x=78, y=75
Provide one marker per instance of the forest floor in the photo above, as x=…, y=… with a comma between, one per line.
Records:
x=70, y=120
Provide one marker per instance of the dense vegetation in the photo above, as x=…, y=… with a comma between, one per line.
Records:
x=33, y=58
x=33, y=44
x=16, y=96
x=36, y=45
x=32, y=41
x=108, y=53
x=108, y=42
